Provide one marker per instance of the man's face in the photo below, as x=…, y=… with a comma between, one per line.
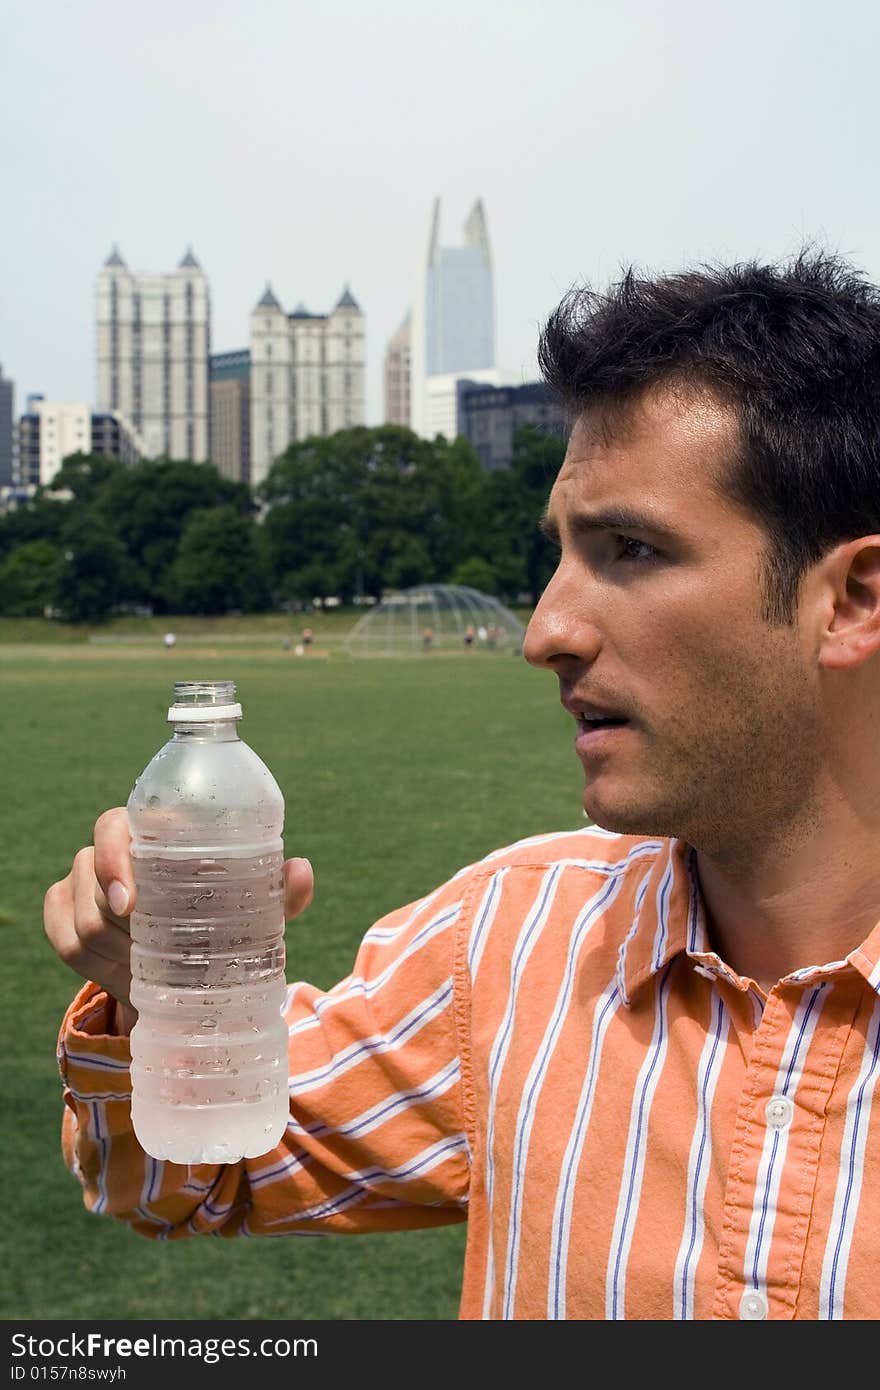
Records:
x=654, y=615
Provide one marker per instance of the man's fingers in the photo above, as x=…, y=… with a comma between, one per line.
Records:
x=61, y=929
x=103, y=906
x=299, y=886
x=113, y=861
x=99, y=931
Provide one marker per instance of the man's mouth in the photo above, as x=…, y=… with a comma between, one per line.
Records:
x=593, y=734
x=587, y=722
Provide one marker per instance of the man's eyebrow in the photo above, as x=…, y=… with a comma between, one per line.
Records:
x=619, y=519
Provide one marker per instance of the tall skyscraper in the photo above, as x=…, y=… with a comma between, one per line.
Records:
x=7, y=429
x=397, y=369
x=453, y=320
x=230, y=386
x=153, y=343
x=308, y=375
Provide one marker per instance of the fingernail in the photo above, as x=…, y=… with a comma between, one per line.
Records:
x=117, y=897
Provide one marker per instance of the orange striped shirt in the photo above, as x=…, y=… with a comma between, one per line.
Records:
x=548, y=1047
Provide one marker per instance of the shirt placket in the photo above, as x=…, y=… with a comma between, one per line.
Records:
x=776, y=1145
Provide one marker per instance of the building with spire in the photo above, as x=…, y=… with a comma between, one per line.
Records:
x=153, y=334
x=453, y=316
x=307, y=375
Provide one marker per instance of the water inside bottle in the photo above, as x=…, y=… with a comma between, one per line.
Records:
x=209, y=1050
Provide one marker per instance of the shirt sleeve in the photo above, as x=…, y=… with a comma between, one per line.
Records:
x=376, y=1138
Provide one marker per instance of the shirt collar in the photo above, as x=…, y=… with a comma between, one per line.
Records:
x=668, y=917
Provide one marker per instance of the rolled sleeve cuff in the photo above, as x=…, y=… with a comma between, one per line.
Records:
x=94, y=1064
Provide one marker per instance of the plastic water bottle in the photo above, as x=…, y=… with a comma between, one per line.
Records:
x=209, y=1049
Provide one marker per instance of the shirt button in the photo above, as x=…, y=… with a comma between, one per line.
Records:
x=779, y=1111
x=753, y=1306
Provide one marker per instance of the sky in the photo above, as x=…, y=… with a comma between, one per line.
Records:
x=304, y=144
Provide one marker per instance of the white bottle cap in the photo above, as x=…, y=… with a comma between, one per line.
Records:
x=202, y=714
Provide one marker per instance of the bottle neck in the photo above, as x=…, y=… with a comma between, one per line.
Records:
x=213, y=731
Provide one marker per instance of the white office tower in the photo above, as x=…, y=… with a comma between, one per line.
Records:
x=153, y=345
x=453, y=317
x=308, y=375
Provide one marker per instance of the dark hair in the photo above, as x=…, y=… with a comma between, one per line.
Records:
x=793, y=349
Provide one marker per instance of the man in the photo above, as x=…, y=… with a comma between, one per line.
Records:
x=640, y=1058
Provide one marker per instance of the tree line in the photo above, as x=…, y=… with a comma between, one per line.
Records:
x=351, y=515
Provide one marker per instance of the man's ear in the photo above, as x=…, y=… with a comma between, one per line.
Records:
x=849, y=585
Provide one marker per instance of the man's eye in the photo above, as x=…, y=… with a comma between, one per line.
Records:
x=633, y=549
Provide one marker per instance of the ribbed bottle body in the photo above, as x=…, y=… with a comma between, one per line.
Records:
x=209, y=1049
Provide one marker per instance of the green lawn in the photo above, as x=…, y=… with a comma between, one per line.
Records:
x=395, y=774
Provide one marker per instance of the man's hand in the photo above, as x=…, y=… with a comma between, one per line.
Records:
x=86, y=914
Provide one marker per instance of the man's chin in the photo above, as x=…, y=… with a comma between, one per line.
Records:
x=630, y=820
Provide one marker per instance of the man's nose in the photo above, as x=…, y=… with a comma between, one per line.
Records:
x=560, y=628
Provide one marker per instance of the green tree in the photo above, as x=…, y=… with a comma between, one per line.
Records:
x=406, y=561
x=476, y=573
x=349, y=503
x=29, y=579
x=515, y=543
x=40, y=519
x=317, y=579
x=217, y=566
x=453, y=491
x=85, y=476
x=150, y=504
x=92, y=578
x=375, y=508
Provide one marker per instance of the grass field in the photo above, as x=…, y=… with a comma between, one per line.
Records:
x=395, y=774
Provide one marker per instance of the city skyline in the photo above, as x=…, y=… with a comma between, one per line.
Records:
x=307, y=150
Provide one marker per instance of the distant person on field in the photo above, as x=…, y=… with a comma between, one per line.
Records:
x=642, y=1058
x=308, y=638
x=428, y=638
x=470, y=634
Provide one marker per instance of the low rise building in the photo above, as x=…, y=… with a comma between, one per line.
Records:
x=489, y=415
x=51, y=430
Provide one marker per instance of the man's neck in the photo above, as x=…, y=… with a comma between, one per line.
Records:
x=792, y=900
